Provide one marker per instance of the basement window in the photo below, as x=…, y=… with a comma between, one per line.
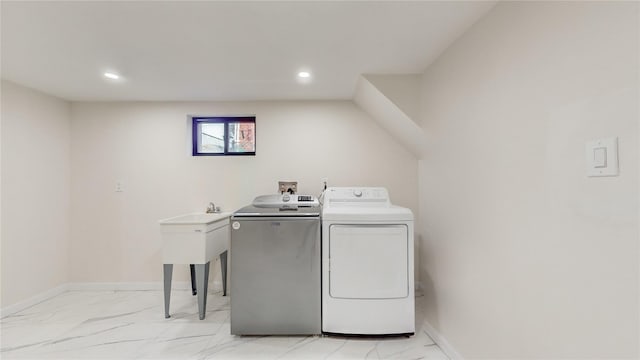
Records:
x=230, y=135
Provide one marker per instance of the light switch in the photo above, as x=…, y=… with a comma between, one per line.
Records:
x=602, y=157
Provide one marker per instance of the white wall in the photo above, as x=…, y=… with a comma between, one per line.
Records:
x=115, y=236
x=35, y=192
x=524, y=256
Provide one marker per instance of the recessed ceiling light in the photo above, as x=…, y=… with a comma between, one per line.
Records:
x=304, y=74
x=110, y=75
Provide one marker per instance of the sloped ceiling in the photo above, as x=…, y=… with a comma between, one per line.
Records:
x=389, y=100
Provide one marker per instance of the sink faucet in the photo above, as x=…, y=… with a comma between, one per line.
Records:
x=211, y=208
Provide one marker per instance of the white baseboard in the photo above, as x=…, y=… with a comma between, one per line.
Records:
x=136, y=286
x=442, y=342
x=12, y=309
x=123, y=286
x=99, y=286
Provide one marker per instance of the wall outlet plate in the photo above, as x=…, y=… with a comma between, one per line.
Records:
x=285, y=186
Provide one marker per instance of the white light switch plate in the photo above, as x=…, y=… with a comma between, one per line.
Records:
x=602, y=157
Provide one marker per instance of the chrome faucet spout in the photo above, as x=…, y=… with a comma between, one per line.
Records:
x=211, y=208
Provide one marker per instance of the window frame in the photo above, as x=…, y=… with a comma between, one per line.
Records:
x=226, y=120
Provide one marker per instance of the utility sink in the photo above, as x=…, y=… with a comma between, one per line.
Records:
x=195, y=218
x=195, y=239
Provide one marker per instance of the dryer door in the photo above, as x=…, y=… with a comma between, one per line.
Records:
x=368, y=261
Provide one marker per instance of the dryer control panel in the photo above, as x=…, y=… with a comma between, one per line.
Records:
x=374, y=196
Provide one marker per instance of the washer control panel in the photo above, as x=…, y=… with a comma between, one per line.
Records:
x=278, y=200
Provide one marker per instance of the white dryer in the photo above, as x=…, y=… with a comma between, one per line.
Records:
x=367, y=263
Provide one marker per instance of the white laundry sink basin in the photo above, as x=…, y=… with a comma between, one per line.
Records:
x=194, y=238
x=195, y=218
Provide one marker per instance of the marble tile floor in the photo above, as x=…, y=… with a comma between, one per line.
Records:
x=131, y=325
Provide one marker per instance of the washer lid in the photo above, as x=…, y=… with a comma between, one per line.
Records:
x=373, y=214
x=285, y=210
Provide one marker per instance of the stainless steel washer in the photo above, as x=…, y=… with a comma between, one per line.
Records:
x=275, y=266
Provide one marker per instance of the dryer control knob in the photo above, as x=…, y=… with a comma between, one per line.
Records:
x=357, y=193
x=285, y=197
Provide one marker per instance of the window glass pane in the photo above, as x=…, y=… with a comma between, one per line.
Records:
x=224, y=135
x=242, y=137
x=211, y=139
